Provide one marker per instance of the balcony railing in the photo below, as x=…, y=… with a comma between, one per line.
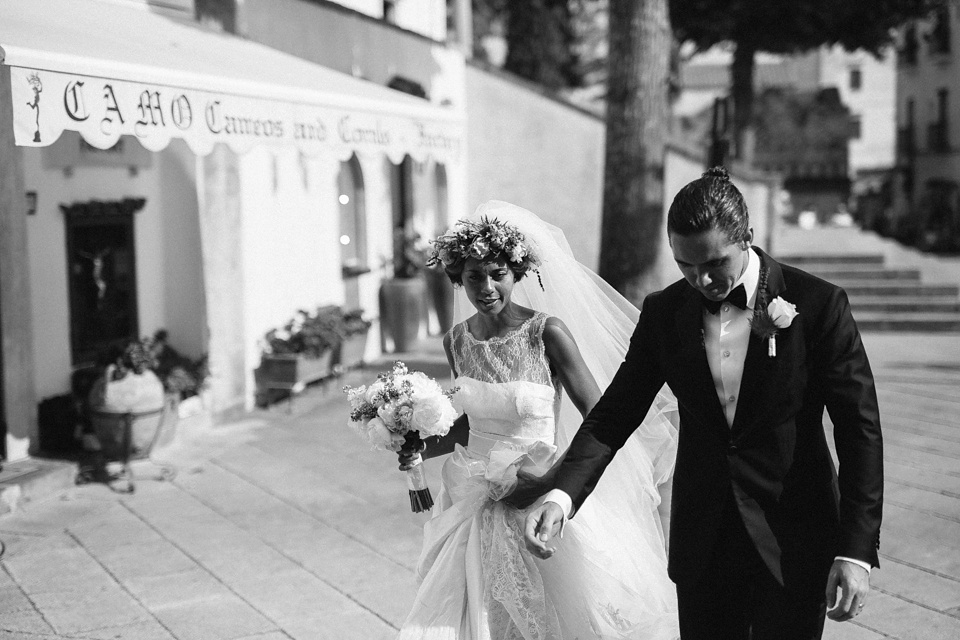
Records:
x=907, y=53
x=938, y=38
x=937, y=138
x=906, y=143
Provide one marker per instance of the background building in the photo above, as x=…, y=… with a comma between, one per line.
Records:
x=924, y=208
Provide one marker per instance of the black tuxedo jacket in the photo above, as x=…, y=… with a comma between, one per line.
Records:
x=774, y=461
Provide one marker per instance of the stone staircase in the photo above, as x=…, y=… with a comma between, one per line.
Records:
x=883, y=298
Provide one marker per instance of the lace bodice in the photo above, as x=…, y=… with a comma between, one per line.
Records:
x=519, y=355
x=505, y=383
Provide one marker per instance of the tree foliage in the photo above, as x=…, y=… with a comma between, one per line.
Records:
x=540, y=38
x=787, y=26
x=793, y=26
x=540, y=42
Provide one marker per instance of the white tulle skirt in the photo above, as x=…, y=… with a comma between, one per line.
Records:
x=607, y=580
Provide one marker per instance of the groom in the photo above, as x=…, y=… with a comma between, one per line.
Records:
x=763, y=532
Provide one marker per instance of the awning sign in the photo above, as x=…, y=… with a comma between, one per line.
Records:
x=46, y=103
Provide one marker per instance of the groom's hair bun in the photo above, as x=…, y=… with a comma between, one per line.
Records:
x=711, y=201
x=717, y=172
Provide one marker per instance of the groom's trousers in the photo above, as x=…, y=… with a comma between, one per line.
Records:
x=737, y=598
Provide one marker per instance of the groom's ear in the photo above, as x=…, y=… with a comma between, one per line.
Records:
x=747, y=241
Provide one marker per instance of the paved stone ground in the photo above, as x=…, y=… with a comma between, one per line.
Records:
x=281, y=526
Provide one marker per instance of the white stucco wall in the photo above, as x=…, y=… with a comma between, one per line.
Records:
x=545, y=156
x=184, y=300
x=290, y=251
x=536, y=152
x=169, y=282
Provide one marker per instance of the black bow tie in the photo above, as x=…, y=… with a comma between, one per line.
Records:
x=737, y=297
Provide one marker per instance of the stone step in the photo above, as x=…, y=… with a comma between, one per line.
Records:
x=834, y=273
x=804, y=261
x=33, y=479
x=901, y=304
x=909, y=322
x=893, y=288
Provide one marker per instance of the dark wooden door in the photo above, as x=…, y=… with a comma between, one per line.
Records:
x=102, y=277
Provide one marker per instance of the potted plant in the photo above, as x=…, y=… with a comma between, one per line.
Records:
x=354, y=344
x=403, y=297
x=183, y=377
x=301, y=351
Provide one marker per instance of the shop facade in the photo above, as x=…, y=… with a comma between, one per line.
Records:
x=191, y=181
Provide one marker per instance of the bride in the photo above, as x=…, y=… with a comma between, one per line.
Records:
x=543, y=325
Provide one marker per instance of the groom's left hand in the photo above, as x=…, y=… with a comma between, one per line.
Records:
x=853, y=581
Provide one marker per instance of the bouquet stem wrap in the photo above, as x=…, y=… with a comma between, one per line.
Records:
x=420, y=498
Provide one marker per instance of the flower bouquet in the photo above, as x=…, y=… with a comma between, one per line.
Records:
x=398, y=404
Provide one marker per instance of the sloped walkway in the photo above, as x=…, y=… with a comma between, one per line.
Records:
x=283, y=526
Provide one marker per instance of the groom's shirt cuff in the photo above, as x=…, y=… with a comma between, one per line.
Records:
x=561, y=498
x=859, y=563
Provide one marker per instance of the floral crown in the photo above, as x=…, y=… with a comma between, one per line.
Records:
x=480, y=240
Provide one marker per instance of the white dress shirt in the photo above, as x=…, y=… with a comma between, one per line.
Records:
x=726, y=336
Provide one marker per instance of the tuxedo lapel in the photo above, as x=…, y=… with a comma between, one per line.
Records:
x=693, y=356
x=758, y=367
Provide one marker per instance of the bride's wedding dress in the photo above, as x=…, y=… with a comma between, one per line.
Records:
x=608, y=578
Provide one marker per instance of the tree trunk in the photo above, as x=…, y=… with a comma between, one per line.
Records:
x=637, y=123
x=741, y=73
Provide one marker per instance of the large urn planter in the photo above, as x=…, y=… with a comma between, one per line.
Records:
x=401, y=311
x=441, y=294
x=127, y=435
x=127, y=414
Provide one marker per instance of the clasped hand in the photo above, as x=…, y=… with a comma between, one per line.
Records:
x=411, y=449
x=529, y=488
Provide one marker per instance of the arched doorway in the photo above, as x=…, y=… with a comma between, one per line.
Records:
x=353, y=230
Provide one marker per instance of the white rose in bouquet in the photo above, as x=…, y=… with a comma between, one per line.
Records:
x=433, y=413
x=433, y=416
x=387, y=413
x=381, y=437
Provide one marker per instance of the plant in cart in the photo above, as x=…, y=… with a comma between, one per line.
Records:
x=402, y=404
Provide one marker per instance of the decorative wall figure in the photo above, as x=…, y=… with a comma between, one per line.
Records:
x=37, y=87
x=97, y=273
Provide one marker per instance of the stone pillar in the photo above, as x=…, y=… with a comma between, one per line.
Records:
x=19, y=400
x=220, y=207
x=463, y=26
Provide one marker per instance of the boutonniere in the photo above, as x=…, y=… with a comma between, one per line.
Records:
x=779, y=314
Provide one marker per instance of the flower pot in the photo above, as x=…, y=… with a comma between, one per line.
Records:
x=351, y=350
x=126, y=413
x=294, y=370
x=111, y=429
x=401, y=311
